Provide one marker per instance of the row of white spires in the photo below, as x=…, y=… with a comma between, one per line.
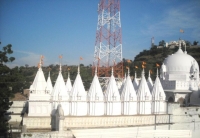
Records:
x=132, y=98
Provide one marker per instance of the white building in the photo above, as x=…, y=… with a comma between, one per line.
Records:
x=144, y=97
x=39, y=97
x=60, y=94
x=128, y=98
x=112, y=98
x=159, y=105
x=180, y=77
x=137, y=107
x=78, y=98
x=95, y=98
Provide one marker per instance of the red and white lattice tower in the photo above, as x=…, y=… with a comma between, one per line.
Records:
x=108, y=45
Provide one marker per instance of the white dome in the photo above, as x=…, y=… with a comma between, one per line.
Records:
x=180, y=62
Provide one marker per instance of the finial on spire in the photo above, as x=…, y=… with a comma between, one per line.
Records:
x=185, y=48
x=128, y=72
x=60, y=58
x=157, y=72
x=49, y=73
x=68, y=74
x=112, y=71
x=41, y=61
x=135, y=74
x=179, y=44
x=149, y=73
x=142, y=72
x=60, y=68
x=78, y=69
x=96, y=70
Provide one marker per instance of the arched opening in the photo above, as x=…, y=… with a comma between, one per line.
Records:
x=170, y=100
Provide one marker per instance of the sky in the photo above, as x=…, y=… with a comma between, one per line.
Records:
x=68, y=27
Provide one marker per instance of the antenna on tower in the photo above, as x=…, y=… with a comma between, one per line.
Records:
x=108, y=44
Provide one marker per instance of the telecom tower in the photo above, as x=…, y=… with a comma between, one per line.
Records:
x=108, y=44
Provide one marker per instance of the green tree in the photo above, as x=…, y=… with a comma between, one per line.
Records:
x=162, y=43
x=5, y=86
x=195, y=43
x=188, y=43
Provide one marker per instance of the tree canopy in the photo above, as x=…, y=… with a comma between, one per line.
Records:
x=6, y=92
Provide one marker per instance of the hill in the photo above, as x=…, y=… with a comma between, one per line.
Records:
x=151, y=57
x=157, y=55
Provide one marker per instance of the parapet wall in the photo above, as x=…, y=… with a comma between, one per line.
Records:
x=97, y=121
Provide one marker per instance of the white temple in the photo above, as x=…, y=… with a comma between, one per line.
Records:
x=39, y=96
x=65, y=106
x=158, y=97
x=135, y=82
x=129, y=98
x=144, y=96
x=78, y=98
x=178, y=80
x=149, y=82
x=95, y=97
x=78, y=102
x=60, y=94
x=179, y=76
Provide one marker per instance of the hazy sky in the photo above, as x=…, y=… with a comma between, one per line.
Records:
x=68, y=27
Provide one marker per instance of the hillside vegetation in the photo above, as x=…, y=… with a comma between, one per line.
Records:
x=157, y=55
x=151, y=57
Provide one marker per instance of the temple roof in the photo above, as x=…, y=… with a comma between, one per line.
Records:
x=112, y=92
x=39, y=83
x=135, y=82
x=49, y=87
x=158, y=91
x=143, y=91
x=122, y=86
x=68, y=84
x=128, y=90
x=78, y=88
x=95, y=88
x=59, y=87
x=149, y=82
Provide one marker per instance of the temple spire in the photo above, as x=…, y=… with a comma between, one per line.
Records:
x=143, y=72
x=128, y=72
x=96, y=70
x=135, y=82
x=179, y=44
x=40, y=62
x=112, y=72
x=78, y=69
x=49, y=87
x=68, y=74
x=135, y=74
x=157, y=72
x=149, y=82
x=60, y=68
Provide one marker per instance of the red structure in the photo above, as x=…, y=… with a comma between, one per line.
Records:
x=108, y=45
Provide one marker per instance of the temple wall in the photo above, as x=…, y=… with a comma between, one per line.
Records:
x=177, y=115
x=96, y=121
x=37, y=122
x=179, y=118
x=37, y=108
x=113, y=121
x=17, y=108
